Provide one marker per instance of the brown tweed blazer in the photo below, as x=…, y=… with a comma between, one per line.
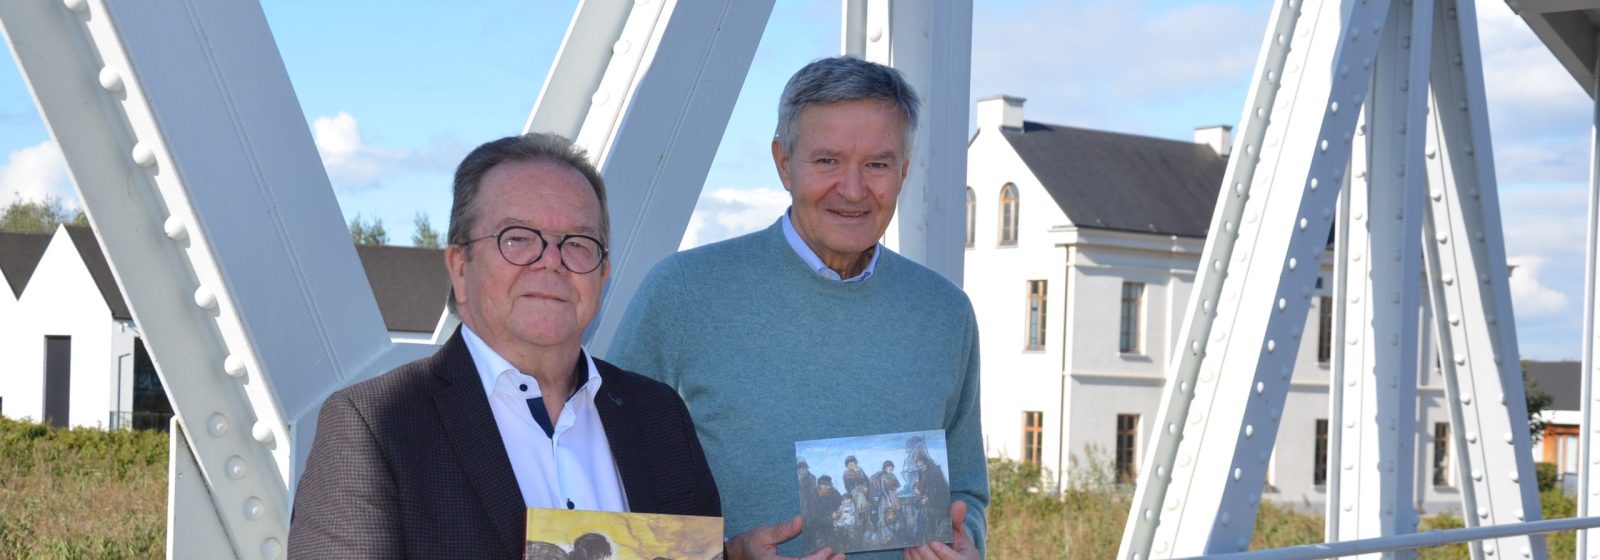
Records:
x=410, y=464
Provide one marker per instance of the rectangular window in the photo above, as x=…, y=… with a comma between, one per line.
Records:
x=1132, y=302
x=1319, y=468
x=1127, y=443
x=1036, y=314
x=1441, y=454
x=1032, y=437
x=1324, y=329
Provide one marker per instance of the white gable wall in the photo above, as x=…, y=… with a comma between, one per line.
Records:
x=61, y=299
x=1015, y=379
x=11, y=327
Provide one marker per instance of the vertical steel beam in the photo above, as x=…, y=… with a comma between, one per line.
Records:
x=219, y=226
x=671, y=73
x=1259, y=270
x=930, y=43
x=1370, y=482
x=1468, y=285
x=1589, y=466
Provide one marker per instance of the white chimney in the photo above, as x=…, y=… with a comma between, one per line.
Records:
x=1219, y=137
x=1000, y=111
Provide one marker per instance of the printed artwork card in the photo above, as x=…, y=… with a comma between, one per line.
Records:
x=561, y=534
x=875, y=492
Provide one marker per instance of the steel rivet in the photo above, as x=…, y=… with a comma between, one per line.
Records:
x=205, y=298
x=217, y=425
x=271, y=549
x=235, y=467
x=234, y=365
x=77, y=5
x=175, y=229
x=621, y=47
x=262, y=432
x=110, y=80
x=144, y=155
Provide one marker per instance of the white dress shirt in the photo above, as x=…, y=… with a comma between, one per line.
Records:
x=571, y=469
x=815, y=262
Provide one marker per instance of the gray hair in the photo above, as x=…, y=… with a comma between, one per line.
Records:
x=531, y=147
x=839, y=79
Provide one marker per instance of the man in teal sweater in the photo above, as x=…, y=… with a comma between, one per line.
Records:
x=810, y=329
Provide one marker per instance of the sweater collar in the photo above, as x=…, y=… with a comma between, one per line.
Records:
x=815, y=262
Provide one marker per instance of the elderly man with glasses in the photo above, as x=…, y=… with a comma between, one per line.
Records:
x=441, y=457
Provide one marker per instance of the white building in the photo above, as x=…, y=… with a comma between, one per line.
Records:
x=1082, y=248
x=71, y=354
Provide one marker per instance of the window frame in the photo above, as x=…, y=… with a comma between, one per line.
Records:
x=1033, y=437
x=1130, y=333
x=1035, y=321
x=1324, y=330
x=1010, y=215
x=1125, y=457
x=1319, y=455
x=1441, y=456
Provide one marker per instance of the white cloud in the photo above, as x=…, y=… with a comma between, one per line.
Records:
x=1538, y=113
x=1545, y=239
x=350, y=160
x=1529, y=297
x=1105, y=64
x=34, y=173
x=724, y=213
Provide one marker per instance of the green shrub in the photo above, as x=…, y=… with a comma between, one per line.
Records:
x=1547, y=475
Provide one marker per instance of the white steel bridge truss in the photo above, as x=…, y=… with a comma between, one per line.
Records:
x=194, y=163
x=1365, y=118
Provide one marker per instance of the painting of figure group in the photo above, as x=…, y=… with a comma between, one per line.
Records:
x=903, y=501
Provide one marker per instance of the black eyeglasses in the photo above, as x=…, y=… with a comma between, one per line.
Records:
x=522, y=246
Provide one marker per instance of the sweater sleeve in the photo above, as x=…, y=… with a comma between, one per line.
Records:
x=964, y=433
x=641, y=343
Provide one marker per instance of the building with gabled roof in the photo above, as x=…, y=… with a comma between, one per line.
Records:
x=71, y=353
x=1082, y=248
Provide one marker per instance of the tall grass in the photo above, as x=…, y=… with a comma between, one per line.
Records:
x=81, y=493
x=1027, y=521
x=85, y=493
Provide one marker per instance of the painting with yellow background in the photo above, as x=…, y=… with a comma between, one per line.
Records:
x=559, y=534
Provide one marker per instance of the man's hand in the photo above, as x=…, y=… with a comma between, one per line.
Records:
x=761, y=543
x=960, y=548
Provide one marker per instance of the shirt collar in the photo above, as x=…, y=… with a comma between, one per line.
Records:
x=492, y=366
x=815, y=262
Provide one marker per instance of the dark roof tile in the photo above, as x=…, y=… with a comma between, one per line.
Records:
x=19, y=255
x=1560, y=380
x=1109, y=180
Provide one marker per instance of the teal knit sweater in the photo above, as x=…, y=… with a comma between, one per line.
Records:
x=767, y=353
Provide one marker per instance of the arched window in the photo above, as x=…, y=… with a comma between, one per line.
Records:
x=972, y=217
x=1008, y=214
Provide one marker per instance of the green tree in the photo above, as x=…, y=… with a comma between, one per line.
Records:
x=368, y=233
x=425, y=237
x=38, y=216
x=1538, y=400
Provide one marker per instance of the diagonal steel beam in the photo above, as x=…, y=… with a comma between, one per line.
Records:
x=220, y=229
x=930, y=43
x=645, y=87
x=1467, y=280
x=1229, y=377
x=1373, y=380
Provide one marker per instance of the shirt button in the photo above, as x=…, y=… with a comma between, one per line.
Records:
x=523, y=387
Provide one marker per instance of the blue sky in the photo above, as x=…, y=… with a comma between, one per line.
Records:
x=396, y=92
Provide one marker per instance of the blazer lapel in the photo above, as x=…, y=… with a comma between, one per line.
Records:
x=470, y=425
x=616, y=418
